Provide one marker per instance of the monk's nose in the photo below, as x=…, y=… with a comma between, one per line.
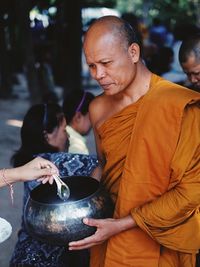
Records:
x=100, y=73
x=193, y=78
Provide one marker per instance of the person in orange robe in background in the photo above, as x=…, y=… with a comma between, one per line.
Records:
x=189, y=58
x=147, y=133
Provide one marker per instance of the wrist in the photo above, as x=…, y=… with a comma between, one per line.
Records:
x=12, y=175
x=5, y=177
x=126, y=223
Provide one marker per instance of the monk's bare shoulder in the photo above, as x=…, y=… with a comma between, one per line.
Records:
x=98, y=109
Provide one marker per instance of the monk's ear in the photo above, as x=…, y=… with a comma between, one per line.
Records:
x=134, y=51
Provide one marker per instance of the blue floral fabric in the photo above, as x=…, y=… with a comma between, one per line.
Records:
x=31, y=252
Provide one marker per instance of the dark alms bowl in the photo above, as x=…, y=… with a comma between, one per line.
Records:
x=52, y=220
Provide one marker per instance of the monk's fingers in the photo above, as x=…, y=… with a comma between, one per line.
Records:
x=92, y=222
x=102, y=233
x=84, y=246
x=90, y=241
x=85, y=243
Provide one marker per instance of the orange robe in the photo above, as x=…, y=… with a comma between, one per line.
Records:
x=152, y=171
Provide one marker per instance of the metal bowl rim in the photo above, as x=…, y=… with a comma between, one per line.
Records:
x=67, y=202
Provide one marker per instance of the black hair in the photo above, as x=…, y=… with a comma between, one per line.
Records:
x=76, y=101
x=38, y=121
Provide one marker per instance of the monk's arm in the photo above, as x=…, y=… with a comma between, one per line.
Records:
x=173, y=213
x=178, y=204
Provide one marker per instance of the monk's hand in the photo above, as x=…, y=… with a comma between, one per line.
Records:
x=106, y=228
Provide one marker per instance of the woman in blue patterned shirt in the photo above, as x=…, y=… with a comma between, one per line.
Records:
x=43, y=132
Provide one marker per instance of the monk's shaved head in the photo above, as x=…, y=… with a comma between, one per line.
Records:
x=115, y=26
x=190, y=48
x=111, y=53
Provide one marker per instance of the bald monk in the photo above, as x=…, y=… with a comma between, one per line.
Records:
x=147, y=133
x=189, y=57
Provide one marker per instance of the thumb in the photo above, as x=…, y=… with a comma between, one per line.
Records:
x=91, y=222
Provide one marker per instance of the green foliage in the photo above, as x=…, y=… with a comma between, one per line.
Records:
x=170, y=11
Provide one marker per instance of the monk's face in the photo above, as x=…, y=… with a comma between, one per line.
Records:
x=111, y=63
x=192, y=69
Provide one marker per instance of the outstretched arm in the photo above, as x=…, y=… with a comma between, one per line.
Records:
x=38, y=168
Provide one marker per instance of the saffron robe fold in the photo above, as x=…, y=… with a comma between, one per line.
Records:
x=152, y=171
